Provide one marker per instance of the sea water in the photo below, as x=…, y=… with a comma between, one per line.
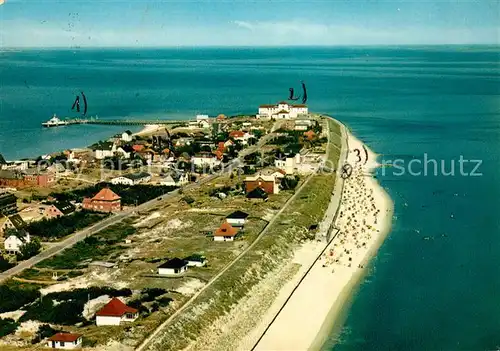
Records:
x=435, y=283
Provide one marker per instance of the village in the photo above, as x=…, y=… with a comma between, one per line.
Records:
x=232, y=177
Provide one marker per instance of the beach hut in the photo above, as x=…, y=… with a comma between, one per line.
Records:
x=175, y=266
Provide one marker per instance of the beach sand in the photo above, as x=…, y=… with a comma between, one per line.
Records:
x=311, y=312
x=149, y=129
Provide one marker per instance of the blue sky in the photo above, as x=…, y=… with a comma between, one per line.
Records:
x=146, y=23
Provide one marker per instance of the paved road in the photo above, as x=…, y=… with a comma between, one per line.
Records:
x=146, y=343
x=116, y=218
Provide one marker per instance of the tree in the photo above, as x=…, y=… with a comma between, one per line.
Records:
x=29, y=249
x=7, y=326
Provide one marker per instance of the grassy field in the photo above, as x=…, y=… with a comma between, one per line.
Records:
x=277, y=244
x=179, y=230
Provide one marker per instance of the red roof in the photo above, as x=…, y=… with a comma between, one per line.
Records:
x=138, y=147
x=221, y=116
x=115, y=308
x=106, y=194
x=283, y=103
x=236, y=134
x=226, y=229
x=219, y=154
x=65, y=337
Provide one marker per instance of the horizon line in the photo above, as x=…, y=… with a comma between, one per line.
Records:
x=244, y=46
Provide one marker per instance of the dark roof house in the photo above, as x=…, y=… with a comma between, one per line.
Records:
x=174, y=263
x=238, y=215
x=65, y=207
x=257, y=193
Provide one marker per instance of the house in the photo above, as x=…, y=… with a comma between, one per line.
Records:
x=104, y=201
x=132, y=178
x=59, y=209
x=205, y=159
x=65, y=341
x=282, y=110
x=184, y=141
x=237, y=218
x=125, y=151
x=279, y=174
x=288, y=164
x=15, y=239
x=226, y=232
x=268, y=183
x=204, y=124
x=200, y=118
x=221, y=117
x=174, y=266
x=175, y=179
x=12, y=222
x=8, y=203
x=257, y=193
x=57, y=167
x=138, y=147
x=283, y=114
x=228, y=143
x=196, y=260
x=241, y=136
x=103, y=149
x=26, y=178
x=310, y=135
x=115, y=312
x=127, y=136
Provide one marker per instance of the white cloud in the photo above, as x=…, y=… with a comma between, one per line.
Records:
x=22, y=33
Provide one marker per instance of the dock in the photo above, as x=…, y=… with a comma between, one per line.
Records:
x=123, y=122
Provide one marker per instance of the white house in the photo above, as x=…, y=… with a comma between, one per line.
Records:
x=65, y=341
x=123, y=152
x=288, y=164
x=282, y=110
x=115, y=312
x=200, y=118
x=175, y=266
x=205, y=159
x=103, y=150
x=175, y=179
x=203, y=124
x=127, y=136
x=226, y=232
x=196, y=261
x=237, y=218
x=132, y=178
x=14, y=241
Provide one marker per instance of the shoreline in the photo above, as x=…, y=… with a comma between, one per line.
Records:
x=315, y=307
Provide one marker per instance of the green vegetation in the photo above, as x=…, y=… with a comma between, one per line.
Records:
x=69, y=307
x=7, y=326
x=289, y=183
x=131, y=195
x=44, y=331
x=29, y=250
x=55, y=228
x=275, y=246
x=100, y=245
x=4, y=264
x=13, y=297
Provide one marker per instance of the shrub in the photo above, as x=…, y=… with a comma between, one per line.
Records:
x=12, y=298
x=29, y=250
x=7, y=326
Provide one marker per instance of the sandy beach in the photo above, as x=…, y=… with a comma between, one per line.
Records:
x=311, y=311
x=149, y=129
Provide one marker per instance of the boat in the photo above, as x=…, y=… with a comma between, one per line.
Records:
x=54, y=122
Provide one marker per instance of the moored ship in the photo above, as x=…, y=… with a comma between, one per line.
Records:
x=54, y=122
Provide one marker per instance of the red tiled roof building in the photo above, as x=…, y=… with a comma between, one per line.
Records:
x=104, y=201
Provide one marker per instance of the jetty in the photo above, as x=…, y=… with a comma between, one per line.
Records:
x=124, y=122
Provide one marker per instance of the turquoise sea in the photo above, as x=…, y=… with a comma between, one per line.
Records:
x=436, y=294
